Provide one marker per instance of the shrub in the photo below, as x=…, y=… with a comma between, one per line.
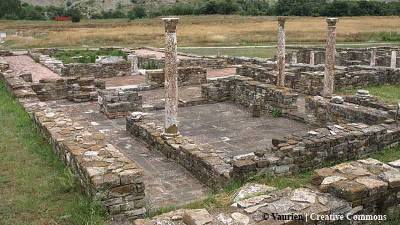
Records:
x=76, y=18
x=137, y=13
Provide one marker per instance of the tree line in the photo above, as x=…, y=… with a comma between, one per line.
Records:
x=14, y=9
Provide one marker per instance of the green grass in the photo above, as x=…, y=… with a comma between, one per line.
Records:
x=35, y=187
x=393, y=218
x=259, y=52
x=387, y=93
x=85, y=56
x=388, y=155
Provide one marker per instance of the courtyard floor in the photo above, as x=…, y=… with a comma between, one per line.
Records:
x=231, y=129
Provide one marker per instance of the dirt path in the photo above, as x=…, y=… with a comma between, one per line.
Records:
x=25, y=63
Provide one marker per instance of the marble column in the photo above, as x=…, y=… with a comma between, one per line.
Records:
x=330, y=51
x=171, y=77
x=373, y=57
x=393, y=60
x=134, y=64
x=312, y=58
x=281, y=51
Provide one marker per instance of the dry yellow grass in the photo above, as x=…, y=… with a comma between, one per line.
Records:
x=192, y=31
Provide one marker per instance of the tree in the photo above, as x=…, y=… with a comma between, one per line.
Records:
x=10, y=9
x=137, y=13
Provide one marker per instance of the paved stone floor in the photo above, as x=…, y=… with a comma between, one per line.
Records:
x=167, y=183
x=25, y=63
x=156, y=97
x=231, y=129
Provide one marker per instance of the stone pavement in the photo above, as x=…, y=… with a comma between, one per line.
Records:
x=167, y=183
x=231, y=129
x=25, y=64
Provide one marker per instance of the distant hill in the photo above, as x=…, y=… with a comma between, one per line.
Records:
x=96, y=5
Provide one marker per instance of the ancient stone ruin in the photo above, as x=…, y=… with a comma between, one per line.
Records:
x=163, y=128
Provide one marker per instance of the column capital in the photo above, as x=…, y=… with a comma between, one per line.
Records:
x=281, y=21
x=170, y=24
x=332, y=21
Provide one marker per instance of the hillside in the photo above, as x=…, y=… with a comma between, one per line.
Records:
x=97, y=5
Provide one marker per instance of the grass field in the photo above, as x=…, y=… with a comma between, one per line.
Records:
x=214, y=30
x=388, y=93
x=35, y=187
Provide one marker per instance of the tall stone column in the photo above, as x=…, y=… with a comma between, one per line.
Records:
x=134, y=64
x=281, y=51
x=294, y=57
x=393, y=60
x=373, y=57
x=312, y=58
x=330, y=51
x=171, y=77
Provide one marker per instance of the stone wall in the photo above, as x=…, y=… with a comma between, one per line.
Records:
x=312, y=149
x=77, y=89
x=369, y=185
x=151, y=62
x=357, y=192
x=337, y=143
x=214, y=63
x=247, y=92
x=308, y=79
x=118, y=103
x=206, y=166
x=369, y=101
x=320, y=110
x=104, y=172
x=186, y=76
x=346, y=56
x=97, y=70
x=5, y=53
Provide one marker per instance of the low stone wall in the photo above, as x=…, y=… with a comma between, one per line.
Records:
x=97, y=70
x=248, y=61
x=346, y=56
x=213, y=63
x=118, y=103
x=205, y=165
x=357, y=192
x=51, y=63
x=336, y=143
x=369, y=101
x=369, y=185
x=150, y=61
x=16, y=85
x=320, y=110
x=75, y=89
x=312, y=149
x=104, y=172
x=308, y=79
x=5, y=53
x=186, y=76
x=247, y=92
